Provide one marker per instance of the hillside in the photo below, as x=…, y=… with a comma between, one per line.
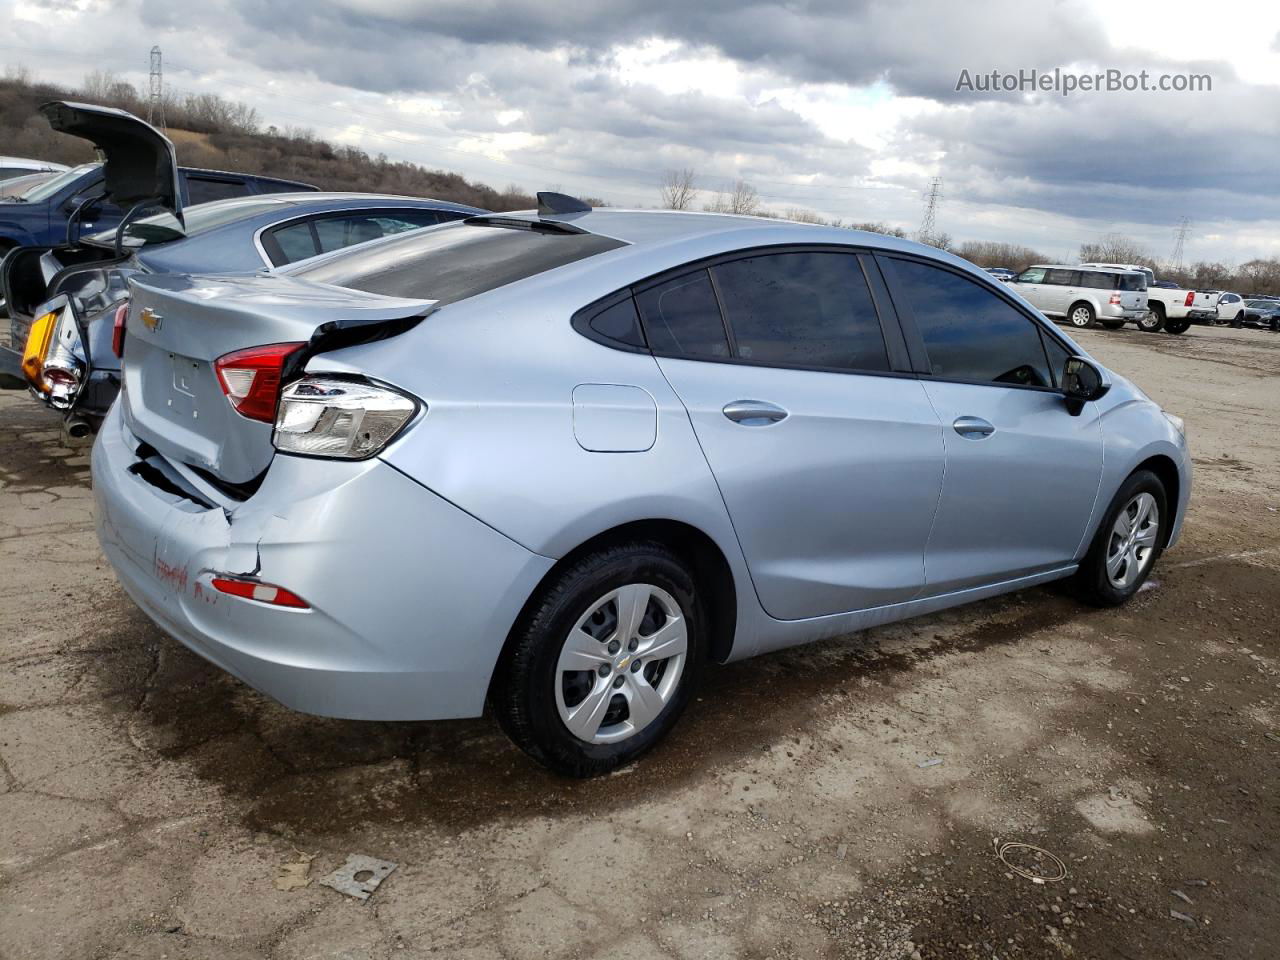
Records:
x=222, y=135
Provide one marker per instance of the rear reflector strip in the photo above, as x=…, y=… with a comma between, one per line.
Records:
x=262, y=592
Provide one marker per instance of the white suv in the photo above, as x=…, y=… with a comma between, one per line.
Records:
x=1083, y=295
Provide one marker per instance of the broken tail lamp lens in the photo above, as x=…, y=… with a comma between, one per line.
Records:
x=54, y=360
x=340, y=419
x=262, y=592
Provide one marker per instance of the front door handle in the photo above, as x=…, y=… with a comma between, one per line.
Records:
x=973, y=428
x=754, y=413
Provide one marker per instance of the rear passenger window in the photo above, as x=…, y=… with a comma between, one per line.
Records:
x=968, y=331
x=682, y=317
x=200, y=190
x=1062, y=278
x=619, y=323
x=802, y=309
x=296, y=242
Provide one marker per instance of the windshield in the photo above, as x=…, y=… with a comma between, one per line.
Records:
x=163, y=227
x=43, y=191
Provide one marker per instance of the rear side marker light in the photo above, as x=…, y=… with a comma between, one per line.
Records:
x=251, y=378
x=262, y=592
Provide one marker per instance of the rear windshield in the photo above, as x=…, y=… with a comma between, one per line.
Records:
x=163, y=227
x=43, y=191
x=1131, y=281
x=453, y=262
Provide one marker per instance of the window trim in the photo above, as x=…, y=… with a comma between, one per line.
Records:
x=899, y=363
x=262, y=236
x=907, y=319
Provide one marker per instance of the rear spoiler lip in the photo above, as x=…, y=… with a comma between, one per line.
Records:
x=338, y=334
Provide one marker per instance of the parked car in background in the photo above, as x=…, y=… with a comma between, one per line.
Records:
x=1085, y=294
x=1230, y=309
x=95, y=196
x=1169, y=308
x=556, y=461
x=1262, y=313
x=13, y=167
x=1001, y=273
x=245, y=235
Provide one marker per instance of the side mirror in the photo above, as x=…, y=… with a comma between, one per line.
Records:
x=1082, y=381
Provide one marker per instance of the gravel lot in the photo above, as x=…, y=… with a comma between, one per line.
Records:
x=148, y=802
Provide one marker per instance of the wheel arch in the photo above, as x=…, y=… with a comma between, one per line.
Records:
x=707, y=562
x=1167, y=471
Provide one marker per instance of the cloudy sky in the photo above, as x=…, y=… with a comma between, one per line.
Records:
x=843, y=108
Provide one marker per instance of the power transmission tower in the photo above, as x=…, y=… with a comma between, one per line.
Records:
x=155, y=106
x=1184, y=229
x=927, y=225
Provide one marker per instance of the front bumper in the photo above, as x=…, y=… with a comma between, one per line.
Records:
x=411, y=598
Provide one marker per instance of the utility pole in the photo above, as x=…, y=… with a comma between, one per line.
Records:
x=928, y=224
x=155, y=105
x=1184, y=229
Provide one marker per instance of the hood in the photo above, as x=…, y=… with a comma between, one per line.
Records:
x=139, y=162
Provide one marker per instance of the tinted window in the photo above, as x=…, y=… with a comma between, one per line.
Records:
x=457, y=261
x=1097, y=281
x=969, y=332
x=1131, y=281
x=296, y=242
x=619, y=323
x=682, y=317
x=200, y=190
x=1058, y=356
x=1033, y=275
x=807, y=309
x=1062, y=278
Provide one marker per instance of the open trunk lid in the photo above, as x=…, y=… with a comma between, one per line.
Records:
x=177, y=328
x=138, y=161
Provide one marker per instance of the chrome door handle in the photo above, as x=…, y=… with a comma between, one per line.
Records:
x=973, y=428
x=754, y=413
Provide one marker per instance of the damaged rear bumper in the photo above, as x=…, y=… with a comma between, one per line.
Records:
x=410, y=599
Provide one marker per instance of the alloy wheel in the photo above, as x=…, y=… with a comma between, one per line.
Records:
x=621, y=663
x=1133, y=540
x=1080, y=317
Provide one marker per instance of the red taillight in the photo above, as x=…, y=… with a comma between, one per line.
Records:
x=1115, y=299
x=1191, y=298
x=117, y=329
x=262, y=592
x=251, y=378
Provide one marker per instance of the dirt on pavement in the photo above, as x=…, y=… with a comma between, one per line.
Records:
x=149, y=804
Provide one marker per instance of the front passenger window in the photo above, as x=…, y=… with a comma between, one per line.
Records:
x=970, y=333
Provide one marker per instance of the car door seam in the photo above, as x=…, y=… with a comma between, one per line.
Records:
x=942, y=486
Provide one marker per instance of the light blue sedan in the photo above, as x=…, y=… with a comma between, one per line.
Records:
x=557, y=461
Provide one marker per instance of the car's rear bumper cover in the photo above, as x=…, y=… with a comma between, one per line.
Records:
x=411, y=598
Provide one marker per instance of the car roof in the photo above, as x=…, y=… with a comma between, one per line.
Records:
x=1089, y=267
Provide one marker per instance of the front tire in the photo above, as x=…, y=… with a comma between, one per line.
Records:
x=1177, y=326
x=1081, y=315
x=1115, y=324
x=1128, y=542
x=604, y=661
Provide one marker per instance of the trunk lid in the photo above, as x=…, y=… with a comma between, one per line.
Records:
x=139, y=162
x=178, y=326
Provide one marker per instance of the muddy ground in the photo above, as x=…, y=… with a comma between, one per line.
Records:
x=148, y=802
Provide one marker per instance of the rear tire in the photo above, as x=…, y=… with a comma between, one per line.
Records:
x=1237, y=322
x=1081, y=315
x=1153, y=320
x=1128, y=543
x=603, y=614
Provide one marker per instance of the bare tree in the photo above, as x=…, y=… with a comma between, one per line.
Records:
x=879, y=226
x=988, y=253
x=742, y=199
x=678, y=189
x=1113, y=248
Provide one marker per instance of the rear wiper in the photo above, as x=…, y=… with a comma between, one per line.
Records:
x=515, y=223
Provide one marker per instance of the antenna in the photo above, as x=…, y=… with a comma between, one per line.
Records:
x=927, y=225
x=1184, y=230
x=155, y=105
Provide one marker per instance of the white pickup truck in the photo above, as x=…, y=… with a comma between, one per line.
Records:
x=1171, y=309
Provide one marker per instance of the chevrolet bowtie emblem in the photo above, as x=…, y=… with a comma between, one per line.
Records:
x=622, y=664
x=150, y=319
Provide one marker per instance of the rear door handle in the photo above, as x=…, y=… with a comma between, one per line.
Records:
x=973, y=428
x=754, y=413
